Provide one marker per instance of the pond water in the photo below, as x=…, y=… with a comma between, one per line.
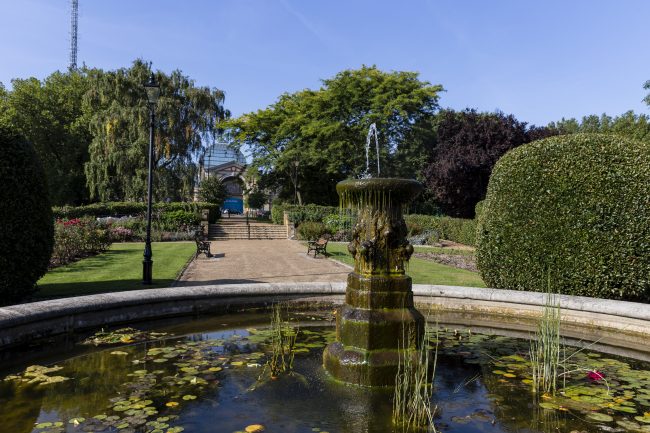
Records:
x=208, y=382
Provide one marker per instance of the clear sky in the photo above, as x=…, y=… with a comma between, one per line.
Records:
x=539, y=60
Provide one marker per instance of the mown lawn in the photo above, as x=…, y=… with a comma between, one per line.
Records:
x=118, y=269
x=421, y=271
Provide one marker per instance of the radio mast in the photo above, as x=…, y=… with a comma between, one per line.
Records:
x=74, y=22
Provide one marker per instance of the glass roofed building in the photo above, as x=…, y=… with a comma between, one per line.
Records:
x=228, y=165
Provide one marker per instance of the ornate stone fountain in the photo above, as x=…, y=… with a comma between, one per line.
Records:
x=378, y=321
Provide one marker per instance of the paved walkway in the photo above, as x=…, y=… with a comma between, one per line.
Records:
x=260, y=261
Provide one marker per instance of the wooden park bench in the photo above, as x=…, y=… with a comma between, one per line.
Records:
x=318, y=247
x=202, y=244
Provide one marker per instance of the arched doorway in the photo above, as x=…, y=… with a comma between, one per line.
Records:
x=234, y=201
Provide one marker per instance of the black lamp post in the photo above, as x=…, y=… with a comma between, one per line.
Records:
x=153, y=92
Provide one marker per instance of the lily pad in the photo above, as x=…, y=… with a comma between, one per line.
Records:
x=600, y=417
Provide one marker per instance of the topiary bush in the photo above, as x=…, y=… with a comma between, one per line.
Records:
x=571, y=211
x=27, y=233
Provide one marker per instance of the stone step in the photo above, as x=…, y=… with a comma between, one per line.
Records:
x=242, y=231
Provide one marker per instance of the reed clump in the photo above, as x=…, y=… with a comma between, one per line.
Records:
x=545, y=348
x=282, y=342
x=412, y=410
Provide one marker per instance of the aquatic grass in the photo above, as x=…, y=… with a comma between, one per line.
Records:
x=282, y=342
x=412, y=411
x=548, y=356
x=545, y=348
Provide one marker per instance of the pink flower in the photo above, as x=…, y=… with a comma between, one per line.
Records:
x=595, y=375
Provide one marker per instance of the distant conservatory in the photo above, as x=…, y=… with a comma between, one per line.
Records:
x=228, y=165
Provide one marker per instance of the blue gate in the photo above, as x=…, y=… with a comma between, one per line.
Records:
x=234, y=204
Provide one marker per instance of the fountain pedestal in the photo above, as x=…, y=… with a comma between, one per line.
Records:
x=378, y=321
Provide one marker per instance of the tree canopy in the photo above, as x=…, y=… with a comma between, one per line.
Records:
x=49, y=114
x=311, y=139
x=468, y=144
x=118, y=117
x=628, y=124
x=212, y=190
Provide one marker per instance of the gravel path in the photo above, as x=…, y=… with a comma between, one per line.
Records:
x=260, y=261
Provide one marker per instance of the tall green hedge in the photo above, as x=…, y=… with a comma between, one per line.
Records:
x=570, y=211
x=132, y=208
x=27, y=234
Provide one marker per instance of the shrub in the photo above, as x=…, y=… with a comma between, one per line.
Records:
x=121, y=234
x=310, y=230
x=277, y=212
x=27, y=231
x=78, y=238
x=310, y=212
x=575, y=209
x=340, y=225
x=432, y=228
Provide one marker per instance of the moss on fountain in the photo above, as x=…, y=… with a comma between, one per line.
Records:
x=379, y=313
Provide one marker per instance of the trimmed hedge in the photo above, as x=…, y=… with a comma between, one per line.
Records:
x=458, y=230
x=310, y=212
x=572, y=212
x=300, y=213
x=132, y=208
x=27, y=234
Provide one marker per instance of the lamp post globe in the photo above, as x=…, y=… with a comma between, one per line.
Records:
x=152, y=89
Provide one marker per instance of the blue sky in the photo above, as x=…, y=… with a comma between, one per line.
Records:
x=540, y=61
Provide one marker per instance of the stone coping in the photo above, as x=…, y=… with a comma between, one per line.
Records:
x=20, y=323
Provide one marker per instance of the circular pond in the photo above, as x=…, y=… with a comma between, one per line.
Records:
x=212, y=376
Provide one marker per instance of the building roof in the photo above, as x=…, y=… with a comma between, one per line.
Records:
x=221, y=153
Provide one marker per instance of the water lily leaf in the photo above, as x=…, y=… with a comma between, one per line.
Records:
x=644, y=419
x=600, y=417
x=549, y=406
x=171, y=404
x=253, y=428
x=628, y=425
x=626, y=409
x=189, y=397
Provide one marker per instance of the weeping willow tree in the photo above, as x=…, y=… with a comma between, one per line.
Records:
x=118, y=117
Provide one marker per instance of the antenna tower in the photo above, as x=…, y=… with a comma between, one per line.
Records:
x=74, y=20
